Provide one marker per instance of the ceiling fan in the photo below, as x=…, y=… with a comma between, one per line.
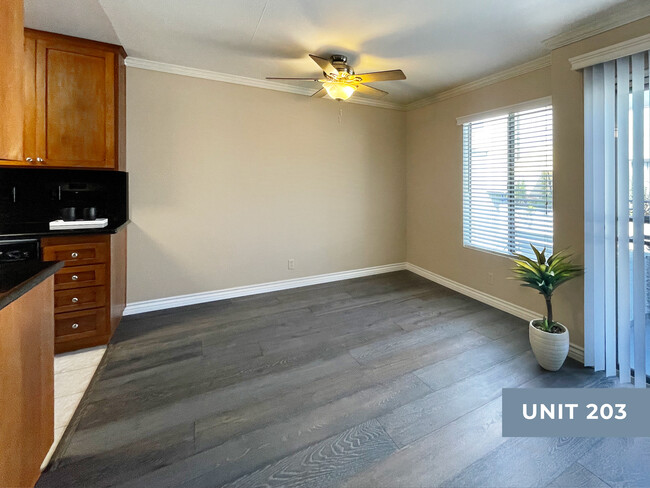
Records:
x=340, y=81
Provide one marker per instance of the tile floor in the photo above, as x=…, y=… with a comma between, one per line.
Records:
x=72, y=374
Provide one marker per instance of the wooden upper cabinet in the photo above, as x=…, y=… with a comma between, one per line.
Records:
x=29, y=96
x=11, y=81
x=73, y=94
x=75, y=105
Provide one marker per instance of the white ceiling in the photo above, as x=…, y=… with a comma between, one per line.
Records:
x=438, y=43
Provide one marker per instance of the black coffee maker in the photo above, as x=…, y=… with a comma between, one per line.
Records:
x=79, y=201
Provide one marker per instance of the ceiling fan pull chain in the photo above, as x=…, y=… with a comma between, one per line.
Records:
x=340, y=113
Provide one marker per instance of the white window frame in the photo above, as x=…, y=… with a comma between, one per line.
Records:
x=510, y=112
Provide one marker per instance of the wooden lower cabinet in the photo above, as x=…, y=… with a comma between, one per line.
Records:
x=80, y=299
x=75, y=325
x=80, y=276
x=90, y=290
x=26, y=385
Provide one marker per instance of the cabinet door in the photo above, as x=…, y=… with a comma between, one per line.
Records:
x=11, y=81
x=27, y=385
x=75, y=105
x=29, y=130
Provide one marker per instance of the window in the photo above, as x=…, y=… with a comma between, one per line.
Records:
x=508, y=180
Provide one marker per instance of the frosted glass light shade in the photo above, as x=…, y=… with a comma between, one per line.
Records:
x=339, y=91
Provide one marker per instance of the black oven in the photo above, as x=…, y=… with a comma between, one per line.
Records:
x=13, y=250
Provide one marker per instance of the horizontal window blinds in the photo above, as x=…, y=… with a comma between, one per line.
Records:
x=508, y=182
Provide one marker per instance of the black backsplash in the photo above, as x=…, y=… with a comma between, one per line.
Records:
x=37, y=195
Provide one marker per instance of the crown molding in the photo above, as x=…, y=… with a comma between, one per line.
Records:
x=616, y=16
x=518, y=70
x=176, y=69
x=371, y=102
x=204, y=74
x=609, y=53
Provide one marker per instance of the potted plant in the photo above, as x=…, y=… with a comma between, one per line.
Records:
x=548, y=339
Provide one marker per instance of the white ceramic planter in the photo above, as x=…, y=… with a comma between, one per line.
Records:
x=549, y=349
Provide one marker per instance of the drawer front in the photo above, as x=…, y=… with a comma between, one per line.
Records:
x=80, y=277
x=79, y=299
x=77, y=254
x=79, y=324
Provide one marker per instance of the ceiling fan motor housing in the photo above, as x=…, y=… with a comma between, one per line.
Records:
x=339, y=61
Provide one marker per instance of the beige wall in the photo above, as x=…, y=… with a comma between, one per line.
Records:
x=434, y=179
x=228, y=182
x=435, y=188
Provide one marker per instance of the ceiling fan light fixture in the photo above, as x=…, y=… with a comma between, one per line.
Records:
x=340, y=81
x=339, y=91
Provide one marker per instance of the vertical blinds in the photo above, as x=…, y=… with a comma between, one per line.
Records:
x=508, y=182
x=617, y=217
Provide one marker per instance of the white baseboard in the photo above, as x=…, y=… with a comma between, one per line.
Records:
x=242, y=291
x=575, y=352
x=495, y=302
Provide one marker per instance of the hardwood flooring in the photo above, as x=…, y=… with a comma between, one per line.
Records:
x=385, y=381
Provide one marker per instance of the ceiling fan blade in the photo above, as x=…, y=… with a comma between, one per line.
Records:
x=295, y=79
x=325, y=65
x=370, y=91
x=319, y=93
x=394, y=74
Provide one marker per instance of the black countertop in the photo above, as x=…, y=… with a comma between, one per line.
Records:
x=17, y=278
x=39, y=230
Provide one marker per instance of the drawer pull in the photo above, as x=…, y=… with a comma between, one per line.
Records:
x=75, y=277
x=74, y=254
x=75, y=300
x=74, y=326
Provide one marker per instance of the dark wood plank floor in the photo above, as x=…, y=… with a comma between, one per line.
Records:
x=385, y=381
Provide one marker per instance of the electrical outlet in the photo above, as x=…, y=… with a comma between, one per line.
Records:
x=490, y=278
x=291, y=264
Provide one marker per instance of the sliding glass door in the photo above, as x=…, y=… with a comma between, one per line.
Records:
x=635, y=203
x=617, y=218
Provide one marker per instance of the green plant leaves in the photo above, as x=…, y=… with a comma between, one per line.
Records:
x=544, y=275
x=540, y=255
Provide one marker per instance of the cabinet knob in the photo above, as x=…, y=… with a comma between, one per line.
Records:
x=75, y=300
x=75, y=277
x=40, y=160
x=74, y=326
x=74, y=254
x=29, y=160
